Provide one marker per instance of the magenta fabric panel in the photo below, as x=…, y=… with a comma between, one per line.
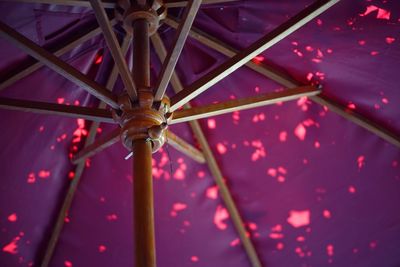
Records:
x=313, y=188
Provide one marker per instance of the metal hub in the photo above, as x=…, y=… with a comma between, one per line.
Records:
x=128, y=12
x=143, y=122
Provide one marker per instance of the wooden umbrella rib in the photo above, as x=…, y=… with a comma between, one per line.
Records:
x=58, y=65
x=114, y=47
x=213, y=166
x=256, y=48
x=179, y=41
x=93, y=114
x=56, y=231
x=180, y=3
x=242, y=104
x=214, y=43
x=35, y=66
x=184, y=147
x=287, y=81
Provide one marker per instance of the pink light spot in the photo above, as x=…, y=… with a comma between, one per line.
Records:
x=67, y=264
x=280, y=246
x=221, y=148
x=221, y=214
x=390, y=40
x=385, y=100
x=351, y=189
x=212, y=192
x=44, y=174
x=194, y=259
x=351, y=106
x=283, y=136
x=383, y=14
x=309, y=76
x=362, y=42
x=201, y=174
x=112, y=217
x=317, y=144
x=98, y=59
x=179, y=174
x=211, y=123
x=12, y=247
x=31, y=178
x=71, y=175
x=272, y=172
x=276, y=235
x=330, y=250
x=327, y=214
x=299, y=218
x=319, y=22
x=374, y=53
x=360, y=161
x=179, y=206
x=300, y=131
x=282, y=170
x=60, y=100
x=12, y=217
x=235, y=242
x=373, y=244
x=300, y=239
x=277, y=228
x=102, y=248
x=281, y=179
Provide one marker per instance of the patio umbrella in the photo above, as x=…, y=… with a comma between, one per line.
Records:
x=262, y=181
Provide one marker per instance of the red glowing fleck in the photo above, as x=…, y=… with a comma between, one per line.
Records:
x=112, y=217
x=272, y=172
x=258, y=59
x=31, y=178
x=299, y=218
x=295, y=43
x=221, y=148
x=12, y=217
x=71, y=175
x=327, y=214
x=99, y=59
x=67, y=220
x=317, y=144
x=351, y=106
x=12, y=247
x=201, y=174
x=282, y=170
x=309, y=48
x=194, y=259
x=383, y=14
x=67, y=264
x=390, y=40
x=281, y=179
x=362, y=42
x=280, y=246
x=283, y=136
x=360, y=161
x=310, y=76
x=385, y=100
x=329, y=250
x=102, y=248
x=212, y=192
x=300, y=131
x=41, y=128
x=374, y=53
x=221, y=214
x=81, y=123
x=351, y=189
x=212, y=124
x=44, y=174
x=277, y=228
x=60, y=100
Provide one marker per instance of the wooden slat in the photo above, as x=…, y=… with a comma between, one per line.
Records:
x=184, y=147
x=178, y=43
x=98, y=146
x=213, y=166
x=93, y=114
x=285, y=80
x=36, y=65
x=114, y=47
x=81, y=3
x=58, y=65
x=212, y=42
x=356, y=118
x=56, y=231
x=180, y=3
x=196, y=113
x=253, y=50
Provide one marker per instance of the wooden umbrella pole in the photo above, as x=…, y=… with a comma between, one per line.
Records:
x=145, y=255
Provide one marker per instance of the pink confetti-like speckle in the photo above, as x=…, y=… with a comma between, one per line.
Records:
x=299, y=218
